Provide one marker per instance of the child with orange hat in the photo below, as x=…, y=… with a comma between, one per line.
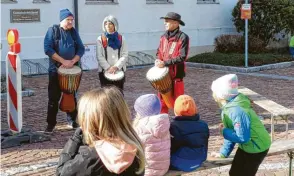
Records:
x=189, y=136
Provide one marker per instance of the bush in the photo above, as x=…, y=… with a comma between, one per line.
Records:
x=237, y=59
x=228, y=43
x=268, y=19
x=236, y=44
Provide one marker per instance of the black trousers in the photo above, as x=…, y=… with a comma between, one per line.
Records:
x=105, y=82
x=54, y=94
x=246, y=164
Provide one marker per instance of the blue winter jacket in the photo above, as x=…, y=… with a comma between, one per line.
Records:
x=67, y=48
x=189, y=142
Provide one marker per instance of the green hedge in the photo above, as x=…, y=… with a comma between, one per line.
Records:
x=236, y=59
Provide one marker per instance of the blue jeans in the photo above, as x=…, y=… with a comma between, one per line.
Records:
x=54, y=94
x=292, y=52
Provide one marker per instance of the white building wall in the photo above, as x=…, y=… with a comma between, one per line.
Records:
x=31, y=34
x=139, y=23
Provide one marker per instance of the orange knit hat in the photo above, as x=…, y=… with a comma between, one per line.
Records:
x=185, y=106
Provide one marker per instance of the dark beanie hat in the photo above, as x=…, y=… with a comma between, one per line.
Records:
x=64, y=13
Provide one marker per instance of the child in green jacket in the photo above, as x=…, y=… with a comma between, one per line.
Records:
x=240, y=125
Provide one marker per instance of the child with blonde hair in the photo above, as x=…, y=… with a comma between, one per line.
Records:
x=240, y=125
x=113, y=147
x=153, y=129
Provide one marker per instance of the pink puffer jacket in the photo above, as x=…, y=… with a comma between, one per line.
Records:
x=154, y=134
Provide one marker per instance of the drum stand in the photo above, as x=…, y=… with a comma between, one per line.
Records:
x=26, y=136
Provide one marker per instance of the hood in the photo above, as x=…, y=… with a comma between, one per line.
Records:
x=240, y=100
x=116, y=156
x=111, y=19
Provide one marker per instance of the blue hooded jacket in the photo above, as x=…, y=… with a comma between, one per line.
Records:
x=189, y=142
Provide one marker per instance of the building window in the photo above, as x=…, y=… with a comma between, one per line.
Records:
x=207, y=1
x=101, y=1
x=159, y=1
x=41, y=1
x=8, y=1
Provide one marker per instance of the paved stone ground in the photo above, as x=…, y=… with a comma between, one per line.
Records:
x=197, y=84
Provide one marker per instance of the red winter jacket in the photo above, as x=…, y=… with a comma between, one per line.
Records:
x=173, y=50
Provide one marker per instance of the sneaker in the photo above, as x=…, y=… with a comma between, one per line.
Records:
x=49, y=130
x=73, y=125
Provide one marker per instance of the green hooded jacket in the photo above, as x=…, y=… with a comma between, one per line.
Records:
x=243, y=126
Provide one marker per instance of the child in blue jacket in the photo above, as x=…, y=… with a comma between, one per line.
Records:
x=189, y=136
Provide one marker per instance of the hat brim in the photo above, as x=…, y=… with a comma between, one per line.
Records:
x=180, y=21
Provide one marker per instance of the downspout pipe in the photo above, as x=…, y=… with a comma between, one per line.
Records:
x=76, y=11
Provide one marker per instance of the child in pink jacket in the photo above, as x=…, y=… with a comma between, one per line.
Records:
x=153, y=130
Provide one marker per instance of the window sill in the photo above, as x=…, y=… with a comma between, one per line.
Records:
x=101, y=3
x=208, y=2
x=155, y=2
x=8, y=2
x=41, y=2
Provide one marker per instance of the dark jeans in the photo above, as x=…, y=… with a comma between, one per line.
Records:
x=105, y=82
x=54, y=94
x=246, y=164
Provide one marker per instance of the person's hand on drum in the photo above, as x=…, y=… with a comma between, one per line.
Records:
x=67, y=64
x=159, y=63
x=112, y=69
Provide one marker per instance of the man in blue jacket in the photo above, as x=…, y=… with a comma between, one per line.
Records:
x=64, y=47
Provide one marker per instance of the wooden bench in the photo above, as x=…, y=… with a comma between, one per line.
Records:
x=278, y=147
x=276, y=110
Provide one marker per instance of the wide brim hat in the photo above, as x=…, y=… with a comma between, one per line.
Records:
x=174, y=16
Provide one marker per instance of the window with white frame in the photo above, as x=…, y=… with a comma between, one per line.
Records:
x=159, y=1
x=41, y=1
x=207, y=1
x=8, y=1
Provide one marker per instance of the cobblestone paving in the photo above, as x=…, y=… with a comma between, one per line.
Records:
x=197, y=84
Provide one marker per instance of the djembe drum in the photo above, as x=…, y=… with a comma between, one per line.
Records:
x=69, y=82
x=114, y=78
x=161, y=81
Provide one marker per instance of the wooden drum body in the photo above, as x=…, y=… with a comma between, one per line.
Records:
x=162, y=82
x=69, y=82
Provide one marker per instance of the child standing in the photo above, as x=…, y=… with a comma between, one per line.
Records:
x=153, y=129
x=240, y=124
x=189, y=136
x=291, y=46
x=113, y=147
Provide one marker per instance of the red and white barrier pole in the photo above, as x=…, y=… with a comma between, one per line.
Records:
x=13, y=77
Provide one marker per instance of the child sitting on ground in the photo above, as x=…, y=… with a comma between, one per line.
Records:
x=189, y=136
x=113, y=147
x=153, y=129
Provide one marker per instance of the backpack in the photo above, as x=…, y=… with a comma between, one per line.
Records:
x=104, y=44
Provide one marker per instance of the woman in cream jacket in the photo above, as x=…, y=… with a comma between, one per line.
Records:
x=112, y=52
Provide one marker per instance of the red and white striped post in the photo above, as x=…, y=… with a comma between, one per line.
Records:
x=13, y=77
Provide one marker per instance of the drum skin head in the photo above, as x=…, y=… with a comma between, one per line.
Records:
x=118, y=75
x=70, y=71
x=156, y=73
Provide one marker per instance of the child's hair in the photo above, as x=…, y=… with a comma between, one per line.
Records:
x=104, y=114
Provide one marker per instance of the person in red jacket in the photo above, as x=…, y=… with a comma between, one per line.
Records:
x=172, y=53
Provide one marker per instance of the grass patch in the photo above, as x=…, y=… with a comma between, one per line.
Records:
x=238, y=59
